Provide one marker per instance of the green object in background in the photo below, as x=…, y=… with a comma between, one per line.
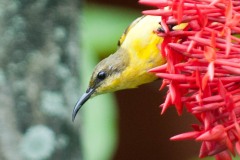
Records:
x=101, y=28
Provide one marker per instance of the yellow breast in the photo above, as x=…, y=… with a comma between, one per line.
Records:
x=142, y=45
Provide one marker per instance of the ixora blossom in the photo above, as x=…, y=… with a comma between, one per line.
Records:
x=202, y=72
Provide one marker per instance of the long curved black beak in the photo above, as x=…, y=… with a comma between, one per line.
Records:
x=81, y=101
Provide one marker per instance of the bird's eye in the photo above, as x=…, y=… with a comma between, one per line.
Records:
x=101, y=75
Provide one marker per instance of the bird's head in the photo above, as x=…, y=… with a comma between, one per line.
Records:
x=106, y=77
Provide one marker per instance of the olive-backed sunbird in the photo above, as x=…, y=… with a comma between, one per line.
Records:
x=128, y=67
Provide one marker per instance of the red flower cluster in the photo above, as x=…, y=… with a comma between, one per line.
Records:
x=203, y=69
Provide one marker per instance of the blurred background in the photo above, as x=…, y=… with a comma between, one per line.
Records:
x=48, y=50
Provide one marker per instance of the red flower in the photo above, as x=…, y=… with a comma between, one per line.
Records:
x=202, y=72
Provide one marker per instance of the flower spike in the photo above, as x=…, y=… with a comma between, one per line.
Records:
x=202, y=71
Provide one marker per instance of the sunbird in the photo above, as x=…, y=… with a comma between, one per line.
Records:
x=128, y=67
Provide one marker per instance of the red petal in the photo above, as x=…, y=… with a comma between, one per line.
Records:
x=159, y=68
x=167, y=103
x=203, y=150
x=216, y=133
x=185, y=136
x=223, y=156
